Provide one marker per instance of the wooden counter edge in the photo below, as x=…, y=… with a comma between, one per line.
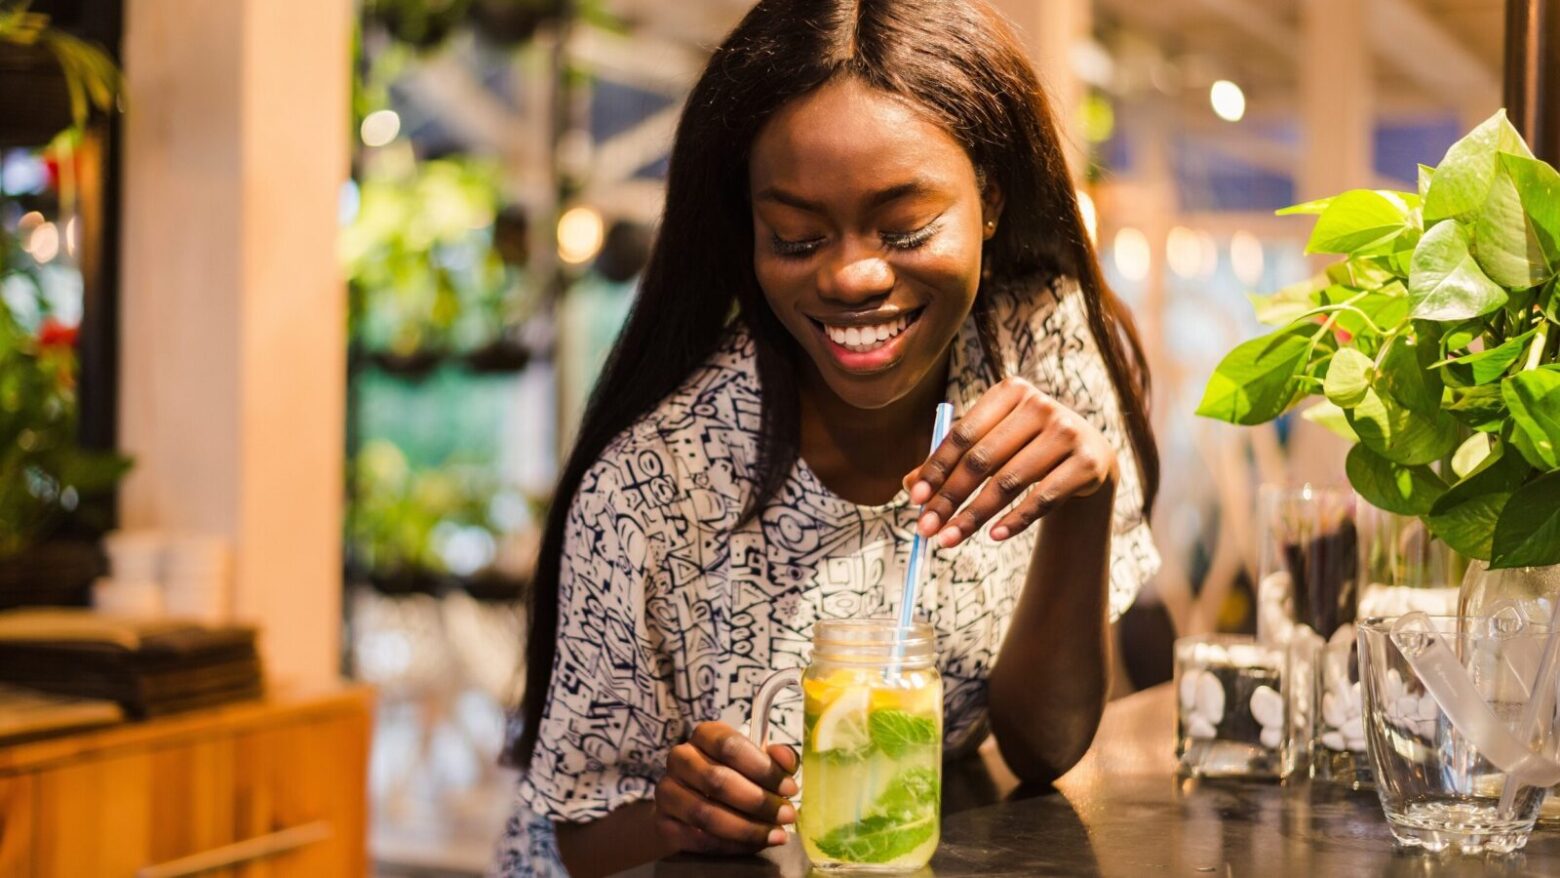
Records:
x=283, y=703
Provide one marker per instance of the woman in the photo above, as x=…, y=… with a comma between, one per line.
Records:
x=867, y=212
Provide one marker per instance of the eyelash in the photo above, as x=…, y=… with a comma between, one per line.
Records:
x=896, y=240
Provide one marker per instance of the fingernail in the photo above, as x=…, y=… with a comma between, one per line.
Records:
x=948, y=537
x=921, y=492
x=787, y=814
x=788, y=787
x=929, y=524
x=999, y=533
x=776, y=837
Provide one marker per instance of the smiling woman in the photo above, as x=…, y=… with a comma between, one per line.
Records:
x=867, y=214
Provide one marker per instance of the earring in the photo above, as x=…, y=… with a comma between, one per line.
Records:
x=991, y=225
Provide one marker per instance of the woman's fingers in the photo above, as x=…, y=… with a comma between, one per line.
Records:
x=1028, y=466
x=989, y=455
x=1077, y=475
x=689, y=806
x=723, y=744
x=968, y=430
x=691, y=838
x=723, y=784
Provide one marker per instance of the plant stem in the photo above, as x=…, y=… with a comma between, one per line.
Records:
x=1540, y=341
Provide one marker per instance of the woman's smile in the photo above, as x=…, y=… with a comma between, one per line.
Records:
x=867, y=343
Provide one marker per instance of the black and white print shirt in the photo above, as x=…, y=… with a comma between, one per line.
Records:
x=670, y=614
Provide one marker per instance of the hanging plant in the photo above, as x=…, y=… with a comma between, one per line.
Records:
x=49, y=80
x=1433, y=344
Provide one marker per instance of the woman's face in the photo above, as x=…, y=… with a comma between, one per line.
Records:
x=868, y=222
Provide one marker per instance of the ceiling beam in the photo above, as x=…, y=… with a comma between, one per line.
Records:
x=1405, y=35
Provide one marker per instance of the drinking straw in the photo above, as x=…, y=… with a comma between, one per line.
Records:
x=914, y=572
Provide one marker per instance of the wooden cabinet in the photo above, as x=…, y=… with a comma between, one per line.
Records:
x=270, y=789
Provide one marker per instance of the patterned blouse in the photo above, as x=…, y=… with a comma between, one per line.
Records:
x=670, y=614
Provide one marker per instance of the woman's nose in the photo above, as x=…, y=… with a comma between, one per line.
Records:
x=857, y=274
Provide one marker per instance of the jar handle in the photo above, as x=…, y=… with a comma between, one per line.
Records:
x=758, y=728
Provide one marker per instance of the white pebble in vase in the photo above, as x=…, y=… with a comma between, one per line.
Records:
x=1428, y=709
x=1197, y=727
x=1334, y=712
x=1332, y=740
x=1210, y=698
x=1267, y=707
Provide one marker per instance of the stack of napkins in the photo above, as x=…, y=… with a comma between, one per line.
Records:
x=149, y=667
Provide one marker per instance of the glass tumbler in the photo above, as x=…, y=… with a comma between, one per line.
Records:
x=871, y=745
x=1230, y=714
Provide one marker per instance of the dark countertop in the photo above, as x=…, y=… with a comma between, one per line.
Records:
x=1122, y=811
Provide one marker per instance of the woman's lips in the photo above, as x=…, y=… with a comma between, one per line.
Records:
x=883, y=354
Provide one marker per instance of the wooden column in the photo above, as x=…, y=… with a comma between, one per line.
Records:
x=1337, y=109
x=1050, y=29
x=233, y=329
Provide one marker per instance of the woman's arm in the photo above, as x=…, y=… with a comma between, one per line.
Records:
x=1048, y=688
x=621, y=840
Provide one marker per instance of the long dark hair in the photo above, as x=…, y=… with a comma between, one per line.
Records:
x=961, y=64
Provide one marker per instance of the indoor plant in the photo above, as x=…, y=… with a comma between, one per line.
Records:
x=1433, y=342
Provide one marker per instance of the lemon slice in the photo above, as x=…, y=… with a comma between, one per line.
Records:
x=843, y=724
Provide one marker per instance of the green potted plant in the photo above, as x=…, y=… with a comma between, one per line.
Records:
x=1432, y=344
x=50, y=83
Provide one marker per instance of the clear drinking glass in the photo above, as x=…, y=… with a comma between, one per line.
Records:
x=1307, y=586
x=1229, y=710
x=1437, y=787
x=1403, y=567
x=871, y=746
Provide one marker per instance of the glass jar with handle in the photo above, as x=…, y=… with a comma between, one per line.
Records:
x=871, y=772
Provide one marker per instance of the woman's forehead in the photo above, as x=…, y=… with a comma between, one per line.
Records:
x=848, y=137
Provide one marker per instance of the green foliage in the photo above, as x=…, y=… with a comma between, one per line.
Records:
x=91, y=79
x=44, y=474
x=420, y=256
x=1434, y=344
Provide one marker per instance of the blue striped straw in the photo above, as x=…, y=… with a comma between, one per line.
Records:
x=914, y=572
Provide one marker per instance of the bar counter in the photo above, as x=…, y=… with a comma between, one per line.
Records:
x=1122, y=812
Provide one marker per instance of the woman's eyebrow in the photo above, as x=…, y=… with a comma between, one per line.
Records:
x=877, y=199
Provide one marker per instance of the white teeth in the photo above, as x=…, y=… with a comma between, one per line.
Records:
x=860, y=339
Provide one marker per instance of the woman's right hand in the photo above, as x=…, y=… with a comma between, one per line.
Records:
x=723, y=795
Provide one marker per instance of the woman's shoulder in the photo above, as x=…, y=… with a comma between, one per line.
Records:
x=695, y=449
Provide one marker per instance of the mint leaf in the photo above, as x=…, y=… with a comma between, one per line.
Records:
x=1406, y=490
x=1528, y=531
x=895, y=731
x=912, y=792
x=877, y=839
x=1446, y=281
x=1462, y=180
x=1257, y=381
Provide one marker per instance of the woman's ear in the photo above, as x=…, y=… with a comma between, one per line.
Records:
x=990, y=206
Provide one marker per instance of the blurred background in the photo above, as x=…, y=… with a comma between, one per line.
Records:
x=338, y=279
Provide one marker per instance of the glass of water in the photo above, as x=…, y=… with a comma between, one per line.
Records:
x=1440, y=787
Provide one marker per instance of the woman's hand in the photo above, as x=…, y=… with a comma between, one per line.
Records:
x=1014, y=439
x=723, y=795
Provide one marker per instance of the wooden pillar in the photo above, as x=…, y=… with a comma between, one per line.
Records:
x=233, y=329
x=1050, y=29
x=1532, y=73
x=1338, y=117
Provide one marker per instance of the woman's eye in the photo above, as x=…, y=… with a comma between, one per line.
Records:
x=910, y=240
x=788, y=249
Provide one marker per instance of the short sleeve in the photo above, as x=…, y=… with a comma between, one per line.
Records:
x=610, y=716
x=1053, y=346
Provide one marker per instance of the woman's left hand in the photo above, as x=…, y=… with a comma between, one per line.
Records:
x=1014, y=439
